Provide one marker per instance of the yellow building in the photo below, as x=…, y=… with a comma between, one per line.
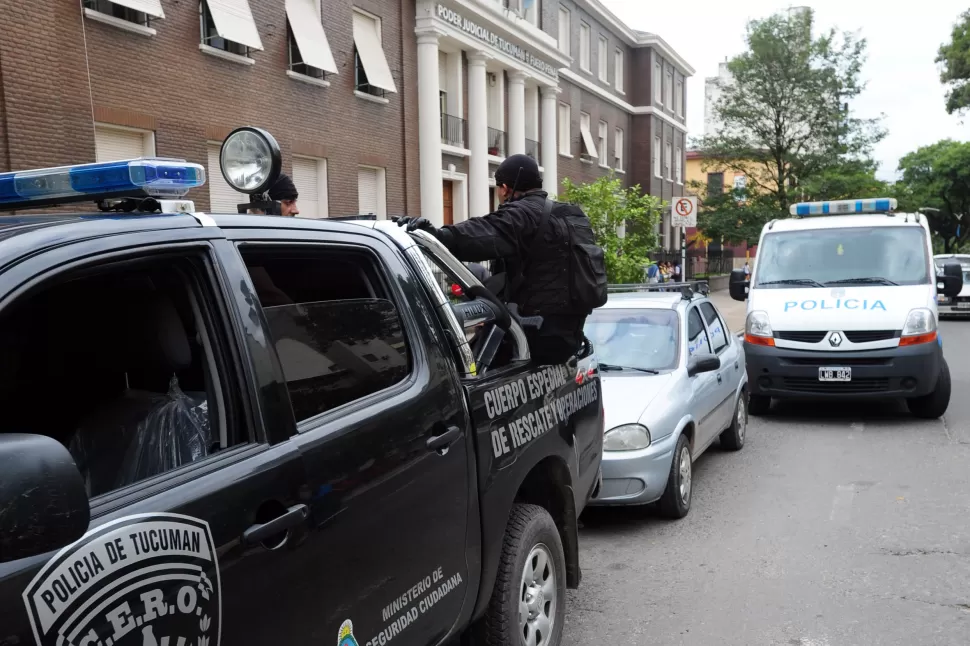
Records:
x=702, y=178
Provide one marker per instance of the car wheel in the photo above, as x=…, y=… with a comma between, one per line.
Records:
x=934, y=404
x=758, y=404
x=675, y=501
x=733, y=438
x=528, y=604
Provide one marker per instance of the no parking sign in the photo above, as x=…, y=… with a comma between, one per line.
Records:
x=683, y=212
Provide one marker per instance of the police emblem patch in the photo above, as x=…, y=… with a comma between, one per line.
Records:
x=145, y=580
x=346, y=635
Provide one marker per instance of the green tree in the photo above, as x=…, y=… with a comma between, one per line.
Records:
x=612, y=210
x=786, y=124
x=954, y=60
x=937, y=178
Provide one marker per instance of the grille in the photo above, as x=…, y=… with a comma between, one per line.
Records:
x=834, y=359
x=801, y=337
x=867, y=336
x=813, y=385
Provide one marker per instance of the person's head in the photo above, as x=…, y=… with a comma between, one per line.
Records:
x=284, y=191
x=516, y=175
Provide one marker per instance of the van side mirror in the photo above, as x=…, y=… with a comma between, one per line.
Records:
x=738, y=285
x=42, y=495
x=705, y=363
x=951, y=282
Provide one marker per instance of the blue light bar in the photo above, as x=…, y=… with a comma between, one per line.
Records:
x=143, y=177
x=844, y=207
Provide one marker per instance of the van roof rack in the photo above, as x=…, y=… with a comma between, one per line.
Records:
x=687, y=289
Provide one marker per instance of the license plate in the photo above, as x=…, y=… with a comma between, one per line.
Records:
x=963, y=306
x=835, y=374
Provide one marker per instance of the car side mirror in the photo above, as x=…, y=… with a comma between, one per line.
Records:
x=951, y=282
x=738, y=285
x=702, y=364
x=42, y=497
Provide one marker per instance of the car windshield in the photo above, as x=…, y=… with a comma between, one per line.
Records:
x=893, y=255
x=635, y=339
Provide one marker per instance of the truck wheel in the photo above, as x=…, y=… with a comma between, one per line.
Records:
x=675, y=501
x=758, y=405
x=934, y=404
x=528, y=605
x=733, y=438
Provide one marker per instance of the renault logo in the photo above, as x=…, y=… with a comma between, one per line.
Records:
x=835, y=339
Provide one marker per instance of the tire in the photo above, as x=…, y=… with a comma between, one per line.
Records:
x=532, y=552
x=759, y=405
x=733, y=438
x=934, y=404
x=675, y=501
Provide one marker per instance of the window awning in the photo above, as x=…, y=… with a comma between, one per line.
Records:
x=234, y=21
x=588, y=140
x=309, y=34
x=368, y=42
x=151, y=7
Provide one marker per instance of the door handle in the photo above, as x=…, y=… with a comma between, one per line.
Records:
x=719, y=378
x=260, y=532
x=443, y=441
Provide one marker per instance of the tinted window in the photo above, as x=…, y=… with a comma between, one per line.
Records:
x=697, y=341
x=635, y=338
x=716, y=326
x=895, y=253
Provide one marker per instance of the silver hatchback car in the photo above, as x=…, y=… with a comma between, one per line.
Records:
x=674, y=381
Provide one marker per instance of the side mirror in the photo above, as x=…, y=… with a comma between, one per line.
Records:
x=738, y=285
x=705, y=363
x=45, y=506
x=950, y=283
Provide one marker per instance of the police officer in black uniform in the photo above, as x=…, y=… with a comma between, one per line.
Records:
x=536, y=262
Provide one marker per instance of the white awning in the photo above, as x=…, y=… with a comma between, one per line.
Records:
x=309, y=34
x=234, y=21
x=588, y=140
x=151, y=7
x=368, y=43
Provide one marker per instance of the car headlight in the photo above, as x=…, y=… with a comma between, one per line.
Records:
x=920, y=327
x=757, y=324
x=629, y=437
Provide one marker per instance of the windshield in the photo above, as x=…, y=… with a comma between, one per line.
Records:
x=643, y=339
x=822, y=257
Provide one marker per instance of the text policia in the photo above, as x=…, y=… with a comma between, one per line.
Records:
x=526, y=427
x=414, y=602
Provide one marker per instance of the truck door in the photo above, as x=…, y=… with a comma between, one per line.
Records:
x=382, y=429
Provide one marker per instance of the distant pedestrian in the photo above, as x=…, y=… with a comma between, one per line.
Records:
x=747, y=270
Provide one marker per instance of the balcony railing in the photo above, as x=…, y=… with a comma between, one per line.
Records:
x=532, y=149
x=452, y=130
x=496, y=142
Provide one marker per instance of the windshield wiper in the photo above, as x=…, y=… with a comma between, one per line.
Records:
x=865, y=280
x=793, y=281
x=609, y=367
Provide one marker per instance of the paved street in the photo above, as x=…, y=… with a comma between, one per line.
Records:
x=836, y=525
x=732, y=310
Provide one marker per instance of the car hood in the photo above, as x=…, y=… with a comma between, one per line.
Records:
x=626, y=396
x=840, y=308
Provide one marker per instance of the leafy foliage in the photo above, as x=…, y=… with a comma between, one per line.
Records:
x=937, y=178
x=612, y=209
x=954, y=60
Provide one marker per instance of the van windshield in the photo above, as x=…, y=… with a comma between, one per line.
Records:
x=850, y=256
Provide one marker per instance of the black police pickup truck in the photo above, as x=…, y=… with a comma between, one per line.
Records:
x=248, y=429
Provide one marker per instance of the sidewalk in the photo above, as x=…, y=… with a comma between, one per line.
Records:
x=733, y=311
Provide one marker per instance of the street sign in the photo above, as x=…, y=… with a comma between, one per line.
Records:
x=684, y=212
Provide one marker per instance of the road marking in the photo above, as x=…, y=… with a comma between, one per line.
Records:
x=842, y=504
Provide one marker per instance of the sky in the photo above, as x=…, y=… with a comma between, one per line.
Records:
x=902, y=79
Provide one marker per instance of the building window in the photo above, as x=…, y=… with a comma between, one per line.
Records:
x=115, y=143
x=618, y=72
x=121, y=12
x=679, y=95
x=229, y=27
x=657, y=83
x=372, y=191
x=589, y=146
x=564, y=134
x=668, y=161
x=310, y=177
x=602, y=59
x=618, y=149
x=372, y=75
x=584, y=46
x=678, y=167
x=656, y=157
x=564, y=30
x=715, y=184
x=309, y=49
x=533, y=11
x=669, y=89
x=603, y=134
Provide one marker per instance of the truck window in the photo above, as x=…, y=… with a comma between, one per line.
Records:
x=716, y=326
x=335, y=327
x=697, y=339
x=119, y=364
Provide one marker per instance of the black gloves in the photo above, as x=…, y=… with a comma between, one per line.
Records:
x=415, y=224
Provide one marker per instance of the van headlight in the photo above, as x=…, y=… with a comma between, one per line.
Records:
x=920, y=327
x=757, y=324
x=629, y=437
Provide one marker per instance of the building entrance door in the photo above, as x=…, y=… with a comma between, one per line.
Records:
x=449, y=202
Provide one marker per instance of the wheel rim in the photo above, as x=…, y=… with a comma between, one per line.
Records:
x=538, y=598
x=742, y=419
x=685, y=475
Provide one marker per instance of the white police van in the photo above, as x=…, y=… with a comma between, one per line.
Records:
x=844, y=305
